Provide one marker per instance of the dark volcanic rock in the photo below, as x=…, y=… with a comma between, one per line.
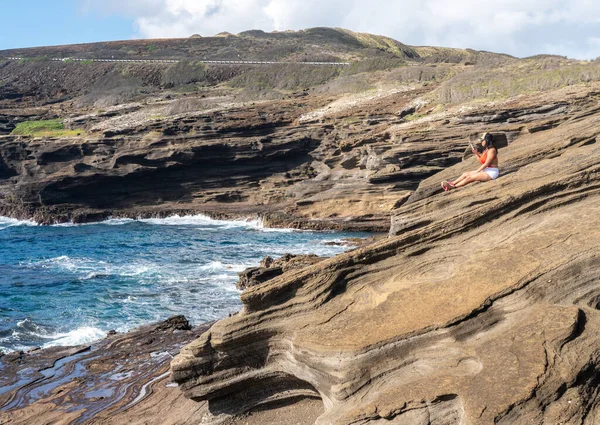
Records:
x=175, y=323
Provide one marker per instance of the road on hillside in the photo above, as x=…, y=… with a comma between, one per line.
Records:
x=215, y=62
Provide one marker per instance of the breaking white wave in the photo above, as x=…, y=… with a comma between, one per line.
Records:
x=195, y=220
x=188, y=220
x=147, y=272
x=214, y=266
x=117, y=221
x=175, y=220
x=79, y=336
x=28, y=330
x=123, y=273
x=109, y=221
x=6, y=222
x=203, y=220
x=92, y=269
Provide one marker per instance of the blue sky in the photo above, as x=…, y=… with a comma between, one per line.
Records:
x=29, y=23
x=518, y=27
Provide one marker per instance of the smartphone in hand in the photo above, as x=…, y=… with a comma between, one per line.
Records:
x=472, y=147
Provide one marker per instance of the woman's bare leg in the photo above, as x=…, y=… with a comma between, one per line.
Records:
x=476, y=177
x=464, y=176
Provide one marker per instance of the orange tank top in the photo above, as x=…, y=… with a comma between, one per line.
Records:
x=483, y=157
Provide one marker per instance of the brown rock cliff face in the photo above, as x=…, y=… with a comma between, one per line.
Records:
x=481, y=307
x=304, y=146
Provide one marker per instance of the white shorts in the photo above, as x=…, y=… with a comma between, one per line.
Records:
x=492, y=172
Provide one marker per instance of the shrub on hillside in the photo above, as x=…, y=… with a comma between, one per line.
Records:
x=184, y=72
x=420, y=73
x=284, y=77
x=317, y=57
x=111, y=89
x=357, y=83
x=278, y=52
x=374, y=64
x=512, y=81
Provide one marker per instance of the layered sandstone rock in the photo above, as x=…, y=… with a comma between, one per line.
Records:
x=481, y=307
x=270, y=268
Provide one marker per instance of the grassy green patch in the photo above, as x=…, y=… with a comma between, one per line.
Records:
x=35, y=59
x=45, y=128
x=29, y=128
x=61, y=133
x=414, y=117
x=373, y=64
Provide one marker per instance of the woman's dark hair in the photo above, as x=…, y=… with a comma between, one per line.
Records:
x=489, y=140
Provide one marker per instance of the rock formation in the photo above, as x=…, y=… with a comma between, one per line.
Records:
x=480, y=308
x=302, y=146
x=117, y=380
x=270, y=268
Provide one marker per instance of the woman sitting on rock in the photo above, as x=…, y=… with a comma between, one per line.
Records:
x=487, y=171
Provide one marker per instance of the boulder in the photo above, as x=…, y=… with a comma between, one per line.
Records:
x=270, y=268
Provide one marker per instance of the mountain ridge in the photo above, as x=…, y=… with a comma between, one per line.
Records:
x=368, y=45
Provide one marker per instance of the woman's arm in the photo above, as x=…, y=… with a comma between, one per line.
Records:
x=491, y=155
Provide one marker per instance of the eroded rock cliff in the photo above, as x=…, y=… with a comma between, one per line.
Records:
x=480, y=308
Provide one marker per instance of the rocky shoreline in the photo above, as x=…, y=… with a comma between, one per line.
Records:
x=100, y=383
x=126, y=376
x=268, y=219
x=121, y=379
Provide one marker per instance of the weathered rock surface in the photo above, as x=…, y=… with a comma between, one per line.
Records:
x=123, y=379
x=318, y=148
x=113, y=381
x=481, y=307
x=245, y=160
x=270, y=268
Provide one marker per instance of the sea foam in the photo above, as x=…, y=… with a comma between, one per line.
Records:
x=79, y=336
x=175, y=220
x=6, y=222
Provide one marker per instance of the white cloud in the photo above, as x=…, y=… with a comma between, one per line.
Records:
x=518, y=27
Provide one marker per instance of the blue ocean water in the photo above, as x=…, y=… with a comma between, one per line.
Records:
x=70, y=284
